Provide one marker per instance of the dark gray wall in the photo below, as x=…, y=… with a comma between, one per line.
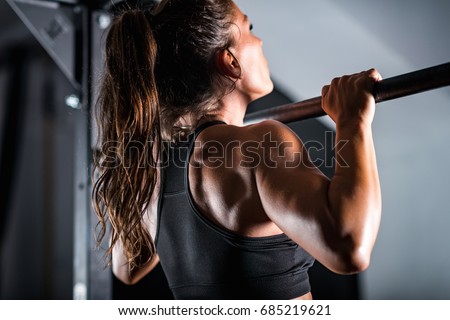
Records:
x=36, y=239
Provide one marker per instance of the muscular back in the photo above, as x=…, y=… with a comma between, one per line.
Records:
x=222, y=179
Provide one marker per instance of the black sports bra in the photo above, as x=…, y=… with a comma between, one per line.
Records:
x=201, y=260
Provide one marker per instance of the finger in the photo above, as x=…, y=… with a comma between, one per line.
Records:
x=374, y=74
x=335, y=81
x=325, y=90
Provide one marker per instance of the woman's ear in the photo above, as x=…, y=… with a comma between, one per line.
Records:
x=228, y=65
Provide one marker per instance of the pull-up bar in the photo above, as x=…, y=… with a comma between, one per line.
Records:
x=387, y=89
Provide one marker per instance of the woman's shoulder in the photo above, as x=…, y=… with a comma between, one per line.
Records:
x=259, y=132
x=276, y=129
x=247, y=144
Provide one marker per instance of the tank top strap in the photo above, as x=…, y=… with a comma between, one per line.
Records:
x=199, y=130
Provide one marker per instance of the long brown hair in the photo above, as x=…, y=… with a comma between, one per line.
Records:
x=160, y=67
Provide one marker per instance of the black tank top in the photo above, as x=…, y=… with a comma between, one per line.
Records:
x=202, y=260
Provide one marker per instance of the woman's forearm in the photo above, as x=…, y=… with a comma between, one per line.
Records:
x=354, y=193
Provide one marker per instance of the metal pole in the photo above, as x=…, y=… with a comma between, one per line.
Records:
x=388, y=89
x=81, y=289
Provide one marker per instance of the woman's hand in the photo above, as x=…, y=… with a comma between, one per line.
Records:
x=349, y=99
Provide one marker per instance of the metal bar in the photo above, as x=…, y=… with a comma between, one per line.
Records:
x=388, y=89
x=82, y=158
x=54, y=25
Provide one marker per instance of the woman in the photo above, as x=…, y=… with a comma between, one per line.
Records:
x=249, y=213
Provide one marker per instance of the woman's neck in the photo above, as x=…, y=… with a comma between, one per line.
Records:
x=232, y=109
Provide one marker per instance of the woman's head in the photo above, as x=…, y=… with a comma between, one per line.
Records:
x=189, y=34
x=254, y=77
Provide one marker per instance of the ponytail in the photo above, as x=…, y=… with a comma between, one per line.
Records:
x=128, y=114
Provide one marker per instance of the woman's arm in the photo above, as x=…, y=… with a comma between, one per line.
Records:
x=336, y=221
x=121, y=268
